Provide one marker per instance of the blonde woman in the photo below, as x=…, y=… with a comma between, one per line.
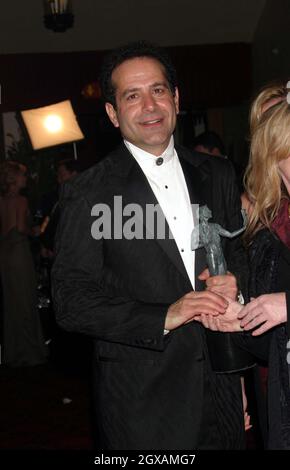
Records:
x=266, y=319
x=268, y=188
x=23, y=341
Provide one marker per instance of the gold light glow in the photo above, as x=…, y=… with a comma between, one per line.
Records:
x=52, y=125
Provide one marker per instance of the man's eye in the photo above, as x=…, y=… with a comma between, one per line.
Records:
x=159, y=91
x=132, y=97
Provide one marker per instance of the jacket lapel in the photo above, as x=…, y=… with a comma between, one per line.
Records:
x=196, y=175
x=198, y=181
x=137, y=190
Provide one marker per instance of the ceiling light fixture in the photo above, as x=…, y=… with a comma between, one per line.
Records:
x=58, y=15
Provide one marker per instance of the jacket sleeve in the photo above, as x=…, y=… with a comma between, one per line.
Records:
x=235, y=252
x=258, y=346
x=78, y=285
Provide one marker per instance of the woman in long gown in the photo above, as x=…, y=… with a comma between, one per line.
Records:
x=22, y=333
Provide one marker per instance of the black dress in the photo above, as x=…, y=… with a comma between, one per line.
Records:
x=270, y=273
x=23, y=339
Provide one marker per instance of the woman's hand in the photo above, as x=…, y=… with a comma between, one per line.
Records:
x=267, y=311
x=227, y=322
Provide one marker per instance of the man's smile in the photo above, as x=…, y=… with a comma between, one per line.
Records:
x=151, y=122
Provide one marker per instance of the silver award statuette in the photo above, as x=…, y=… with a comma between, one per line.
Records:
x=207, y=235
x=225, y=356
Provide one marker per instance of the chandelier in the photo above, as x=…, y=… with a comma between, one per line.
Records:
x=58, y=15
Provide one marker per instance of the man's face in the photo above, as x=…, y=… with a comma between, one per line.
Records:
x=63, y=174
x=145, y=107
x=202, y=149
x=22, y=177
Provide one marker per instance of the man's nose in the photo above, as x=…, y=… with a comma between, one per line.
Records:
x=148, y=102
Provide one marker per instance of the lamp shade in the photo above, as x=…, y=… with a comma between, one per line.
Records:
x=52, y=125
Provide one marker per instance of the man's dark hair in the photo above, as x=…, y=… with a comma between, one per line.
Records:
x=209, y=140
x=132, y=51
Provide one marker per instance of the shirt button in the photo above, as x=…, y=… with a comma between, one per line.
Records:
x=182, y=250
x=174, y=218
x=166, y=187
x=159, y=161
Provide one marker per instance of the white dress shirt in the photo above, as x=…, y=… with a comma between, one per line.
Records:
x=165, y=176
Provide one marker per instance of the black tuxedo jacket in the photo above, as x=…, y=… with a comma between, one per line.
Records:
x=153, y=391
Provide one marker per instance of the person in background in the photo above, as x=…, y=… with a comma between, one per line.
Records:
x=22, y=331
x=65, y=170
x=62, y=344
x=209, y=142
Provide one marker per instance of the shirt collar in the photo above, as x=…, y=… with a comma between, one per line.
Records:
x=148, y=160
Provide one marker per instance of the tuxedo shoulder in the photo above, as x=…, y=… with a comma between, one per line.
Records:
x=214, y=163
x=220, y=163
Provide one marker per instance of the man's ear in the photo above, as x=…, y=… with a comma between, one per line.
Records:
x=111, y=112
x=176, y=100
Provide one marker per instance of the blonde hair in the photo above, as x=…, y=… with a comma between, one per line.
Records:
x=270, y=143
x=8, y=172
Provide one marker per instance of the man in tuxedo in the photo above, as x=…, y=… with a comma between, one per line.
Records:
x=138, y=296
